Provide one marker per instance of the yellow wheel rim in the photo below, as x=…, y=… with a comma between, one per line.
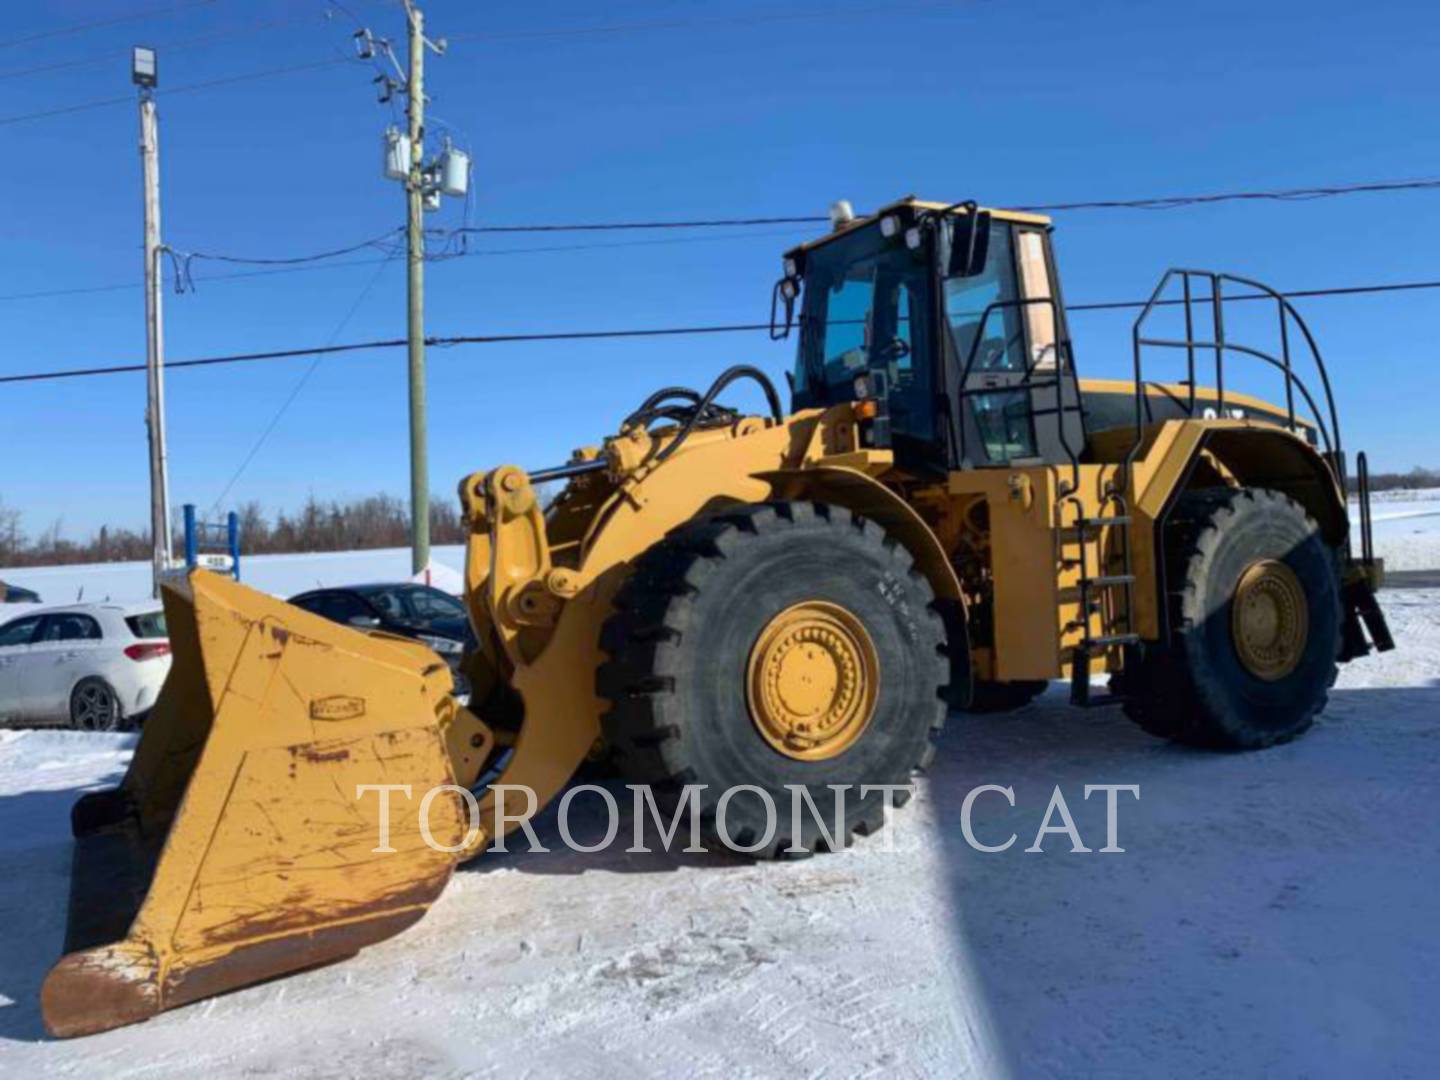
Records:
x=1270, y=620
x=812, y=681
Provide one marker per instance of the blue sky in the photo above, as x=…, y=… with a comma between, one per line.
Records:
x=695, y=110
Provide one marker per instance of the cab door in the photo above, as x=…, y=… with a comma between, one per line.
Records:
x=1018, y=400
x=987, y=332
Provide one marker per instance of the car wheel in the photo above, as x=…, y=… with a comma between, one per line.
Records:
x=94, y=707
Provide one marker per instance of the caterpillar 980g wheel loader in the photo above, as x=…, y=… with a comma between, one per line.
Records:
x=947, y=516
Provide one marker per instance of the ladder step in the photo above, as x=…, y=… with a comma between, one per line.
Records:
x=1085, y=528
x=1105, y=580
x=1113, y=639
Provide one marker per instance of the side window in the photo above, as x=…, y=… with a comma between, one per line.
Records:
x=1035, y=285
x=1004, y=422
x=848, y=326
x=388, y=602
x=70, y=627
x=148, y=624
x=344, y=607
x=984, y=318
x=19, y=632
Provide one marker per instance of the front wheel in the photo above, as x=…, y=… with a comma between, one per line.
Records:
x=1255, y=625
x=781, y=646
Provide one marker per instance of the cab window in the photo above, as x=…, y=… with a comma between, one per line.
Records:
x=985, y=320
x=1039, y=313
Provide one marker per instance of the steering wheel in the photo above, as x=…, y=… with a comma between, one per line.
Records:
x=896, y=348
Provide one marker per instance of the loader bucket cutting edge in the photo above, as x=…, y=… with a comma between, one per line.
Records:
x=236, y=848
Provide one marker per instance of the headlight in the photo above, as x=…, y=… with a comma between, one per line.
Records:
x=912, y=238
x=889, y=226
x=862, y=387
x=789, y=289
x=792, y=268
x=443, y=645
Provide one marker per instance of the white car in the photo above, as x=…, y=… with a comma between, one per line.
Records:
x=95, y=667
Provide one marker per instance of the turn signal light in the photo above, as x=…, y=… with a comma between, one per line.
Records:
x=866, y=410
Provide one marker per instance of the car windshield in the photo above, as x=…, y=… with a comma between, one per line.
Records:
x=148, y=624
x=414, y=603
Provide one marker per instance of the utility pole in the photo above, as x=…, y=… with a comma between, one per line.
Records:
x=425, y=183
x=415, y=295
x=145, y=76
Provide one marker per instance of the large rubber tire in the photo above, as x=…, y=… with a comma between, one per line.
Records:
x=94, y=706
x=680, y=641
x=1195, y=689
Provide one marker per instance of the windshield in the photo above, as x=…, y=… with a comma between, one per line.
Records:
x=863, y=302
x=415, y=603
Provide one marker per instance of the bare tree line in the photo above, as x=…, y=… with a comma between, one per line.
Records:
x=375, y=521
x=1407, y=481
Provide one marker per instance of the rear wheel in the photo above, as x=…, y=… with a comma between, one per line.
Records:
x=95, y=707
x=784, y=646
x=1255, y=616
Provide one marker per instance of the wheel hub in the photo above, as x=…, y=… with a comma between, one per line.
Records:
x=1270, y=620
x=812, y=681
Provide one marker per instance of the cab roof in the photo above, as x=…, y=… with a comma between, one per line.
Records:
x=912, y=204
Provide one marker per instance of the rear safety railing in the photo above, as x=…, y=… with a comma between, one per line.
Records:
x=1219, y=346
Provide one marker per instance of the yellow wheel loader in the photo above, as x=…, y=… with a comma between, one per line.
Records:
x=946, y=517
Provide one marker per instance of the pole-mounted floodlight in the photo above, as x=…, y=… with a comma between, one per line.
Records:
x=143, y=69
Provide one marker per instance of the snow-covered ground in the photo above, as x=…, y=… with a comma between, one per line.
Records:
x=1406, y=526
x=1272, y=915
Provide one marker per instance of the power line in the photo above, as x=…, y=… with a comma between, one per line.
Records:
x=129, y=99
x=100, y=24
x=1174, y=202
x=1158, y=202
x=300, y=384
x=939, y=7
x=1164, y=202
x=247, y=30
x=307, y=266
x=387, y=241
x=645, y=332
x=609, y=226
x=1296, y=294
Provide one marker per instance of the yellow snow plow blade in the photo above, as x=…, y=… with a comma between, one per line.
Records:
x=241, y=844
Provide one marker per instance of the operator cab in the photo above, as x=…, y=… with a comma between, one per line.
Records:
x=949, y=318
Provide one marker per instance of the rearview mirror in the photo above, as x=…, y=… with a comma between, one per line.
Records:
x=364, y=622
x=969, y=243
